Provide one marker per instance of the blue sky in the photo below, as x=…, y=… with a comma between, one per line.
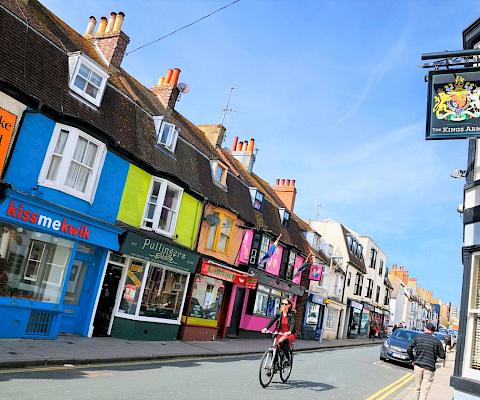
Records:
x=333, y=95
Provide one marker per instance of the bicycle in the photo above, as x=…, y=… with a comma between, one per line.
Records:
x=273, y=361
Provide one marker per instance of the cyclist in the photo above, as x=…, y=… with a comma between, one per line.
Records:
x=285, y=320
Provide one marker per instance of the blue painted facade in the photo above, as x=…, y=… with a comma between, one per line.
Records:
x=89, y=228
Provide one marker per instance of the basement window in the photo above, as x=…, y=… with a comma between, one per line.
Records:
x=87, y=79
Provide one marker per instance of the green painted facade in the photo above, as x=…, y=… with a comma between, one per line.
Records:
x=133, y=202
x=140, y=330
x=188, y=221
x=134, y=196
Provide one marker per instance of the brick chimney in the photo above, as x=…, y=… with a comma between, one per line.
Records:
x=285, y=189
x=214, y=133
x=166, y=88
x=109, y=38
x=244, y=152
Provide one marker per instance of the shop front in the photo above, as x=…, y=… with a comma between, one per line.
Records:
x=148, y=289
x=260, y=305
x=211, y=307
x=355, y=319
x=51, y=265
x=312, y=324
x=368, y=315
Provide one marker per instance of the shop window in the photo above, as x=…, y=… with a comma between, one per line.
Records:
x=32, y=264
x=219, y=235
x=87, y=79
x=291, y=264
x=161, y=210
x=73, y=162
x=166, y=133
x=163, y=293
x=312, y=314
x=331, y=322
x=355, y=320
x=267, y=301
x=207, y=297
x=132, y=287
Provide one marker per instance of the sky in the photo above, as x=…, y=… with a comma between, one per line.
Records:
x=333, y=94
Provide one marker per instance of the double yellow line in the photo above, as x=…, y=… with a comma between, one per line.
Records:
x=388, y=390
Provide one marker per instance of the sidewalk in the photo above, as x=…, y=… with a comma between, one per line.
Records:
x=441, y=389
x=17, y=353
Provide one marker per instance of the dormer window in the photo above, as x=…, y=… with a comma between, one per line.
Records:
x=166, y=133
x=219, y=174
x=257, y=198
x=87, y=79
x=284, y=216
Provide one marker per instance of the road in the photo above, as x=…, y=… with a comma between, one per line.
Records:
x=348, y=374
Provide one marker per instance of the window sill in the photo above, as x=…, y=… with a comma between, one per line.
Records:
x=220, y=186
x=166, y=151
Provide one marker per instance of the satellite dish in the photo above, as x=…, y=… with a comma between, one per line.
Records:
x=183, y=87
x=212, y=219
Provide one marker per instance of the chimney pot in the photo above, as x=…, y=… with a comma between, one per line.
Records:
x=277, y=182
x=251, y=145
x=239, y=146
x=245, y=146
x=117, y=27
x=168, y=77
x=287, y=182
x=91, y=26
x=102, y=25
x=282, y=182
x=175, y=75
x=160, y=81
x=293, y=182
x=111, y=22
x=235, y=143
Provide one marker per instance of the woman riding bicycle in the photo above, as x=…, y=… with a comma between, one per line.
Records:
x=285, y=320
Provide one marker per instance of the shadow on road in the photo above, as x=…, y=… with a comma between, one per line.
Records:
x=300, y=384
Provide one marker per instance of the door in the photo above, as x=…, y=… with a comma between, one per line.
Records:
x=236, y=313
x=106, y=301
x=78, y=291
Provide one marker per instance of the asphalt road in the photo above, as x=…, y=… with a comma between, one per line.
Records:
x=348, y=374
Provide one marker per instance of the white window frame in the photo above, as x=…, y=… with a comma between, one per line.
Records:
x=136, y=317
x=254, y=194
x=159, y=205
x=331, y=320
x=467, y=371
x=74, y=62
x=284, y=216
x=223, y=179
x=73, y=135
x=171, y=142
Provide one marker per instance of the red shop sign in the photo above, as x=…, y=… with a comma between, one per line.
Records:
x=215, y=271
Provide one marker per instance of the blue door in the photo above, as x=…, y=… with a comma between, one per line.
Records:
x=79, y=291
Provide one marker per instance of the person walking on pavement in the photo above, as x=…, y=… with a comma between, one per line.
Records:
x=424, y=350
x=372, y=331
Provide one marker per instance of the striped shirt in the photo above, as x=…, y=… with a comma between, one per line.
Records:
x=424, y=350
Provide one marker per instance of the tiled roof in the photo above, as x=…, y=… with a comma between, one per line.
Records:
x=31, y=66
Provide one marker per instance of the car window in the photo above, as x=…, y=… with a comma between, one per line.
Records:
x=404, y=335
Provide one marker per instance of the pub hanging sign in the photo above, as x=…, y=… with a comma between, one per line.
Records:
x=453, y=110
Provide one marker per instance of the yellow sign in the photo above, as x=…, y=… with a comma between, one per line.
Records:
x=134, y=279
x=7, y=125
x=327, y=301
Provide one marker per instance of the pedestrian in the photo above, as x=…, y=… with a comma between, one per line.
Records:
x=448, y=342
x=372, y=331
x=424, y=350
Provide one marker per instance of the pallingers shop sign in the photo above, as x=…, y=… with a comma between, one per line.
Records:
x=453, y=110
x=159, y=252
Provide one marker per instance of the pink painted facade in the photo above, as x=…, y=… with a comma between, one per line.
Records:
x=273, y=265
x=244, y=253
x=299, y=260
x=230, y=305
x=316, y=272
x=251, y=322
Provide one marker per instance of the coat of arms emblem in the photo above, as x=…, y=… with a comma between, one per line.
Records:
x=457, y=101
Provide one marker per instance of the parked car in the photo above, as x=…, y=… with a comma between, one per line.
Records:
x=395, y=347
x=441, y=336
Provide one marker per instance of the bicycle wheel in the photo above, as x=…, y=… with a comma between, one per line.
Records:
x=266, y=369
x=286, y=369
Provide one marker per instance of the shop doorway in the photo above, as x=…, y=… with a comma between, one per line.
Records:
x=78, y=292
x=234, y=327
x=106, y=301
